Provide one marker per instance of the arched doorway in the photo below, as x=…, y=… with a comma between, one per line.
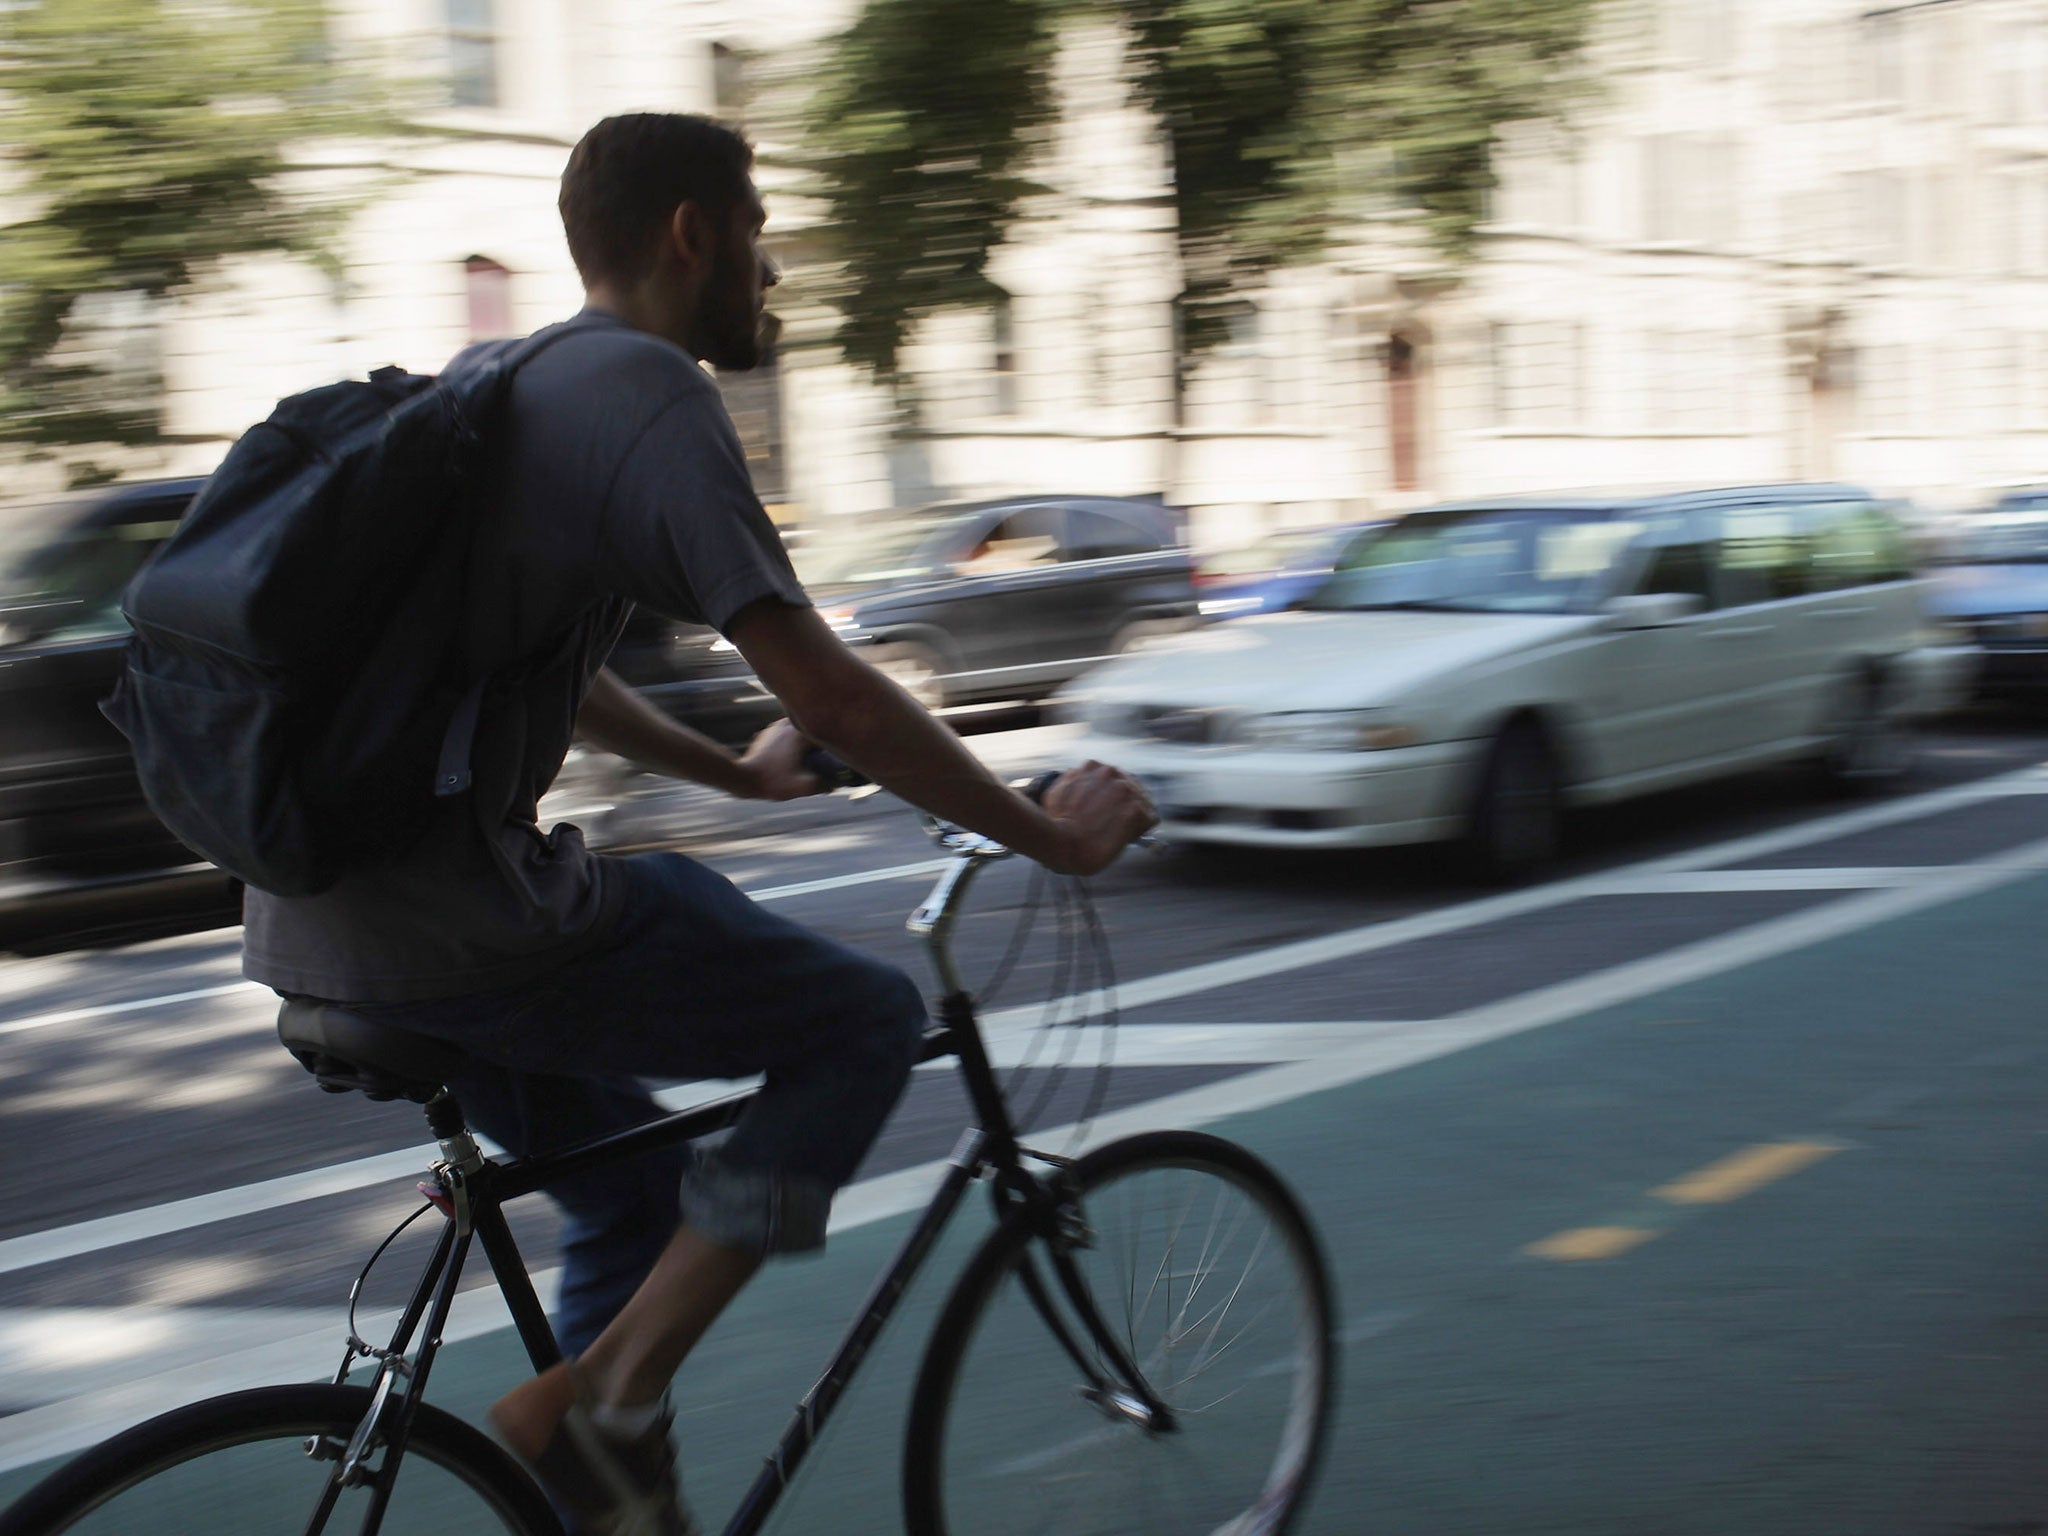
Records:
x=1404, y=412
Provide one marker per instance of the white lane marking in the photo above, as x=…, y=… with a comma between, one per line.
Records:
x=288, y=1352
x=1006, y=1029
x=861, y=877
x=1350, y=943
x=1175, y=1045
x=1684, y=882
x=1696, y=862
x=167, y=999
x=39, y=1433
x=102, y=1232
x=104, y=1010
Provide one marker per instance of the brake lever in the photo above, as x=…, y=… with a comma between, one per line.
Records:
x=836, y=772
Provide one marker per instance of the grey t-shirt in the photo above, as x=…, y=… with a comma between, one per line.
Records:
x=618, y=480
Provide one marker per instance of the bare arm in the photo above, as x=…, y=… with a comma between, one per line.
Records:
x=837, y=699
x=616, y=719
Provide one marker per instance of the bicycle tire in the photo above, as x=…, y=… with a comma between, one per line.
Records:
x=1000, y=1441
x=201, y=1468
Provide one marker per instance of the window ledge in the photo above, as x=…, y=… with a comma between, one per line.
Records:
x=492, y=123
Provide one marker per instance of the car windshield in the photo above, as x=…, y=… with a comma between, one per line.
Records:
x=1525, y=559
x=903, y=551
x=2001, y=538
x=65, y=583
x=1286, y=550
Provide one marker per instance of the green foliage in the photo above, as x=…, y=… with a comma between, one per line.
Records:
x=147, y=142
x=1286, y=121
x=921, y=128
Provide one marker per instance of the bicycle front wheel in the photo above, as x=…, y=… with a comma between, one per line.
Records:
x=263, y=1461
x=1209, y=1277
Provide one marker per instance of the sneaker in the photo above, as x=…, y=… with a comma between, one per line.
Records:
x=606, y=1483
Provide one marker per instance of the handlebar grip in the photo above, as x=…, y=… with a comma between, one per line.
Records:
x=1034, y=788
x=835, y=771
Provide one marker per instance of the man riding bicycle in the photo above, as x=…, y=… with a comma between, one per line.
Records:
x=616, y=479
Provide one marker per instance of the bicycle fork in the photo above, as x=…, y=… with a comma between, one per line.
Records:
x=401, y=1382
x=1050, y=1205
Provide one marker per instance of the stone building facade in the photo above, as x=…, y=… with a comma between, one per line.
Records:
x=1785, y=239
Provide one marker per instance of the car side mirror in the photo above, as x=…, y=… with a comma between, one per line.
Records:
x=1651, y=610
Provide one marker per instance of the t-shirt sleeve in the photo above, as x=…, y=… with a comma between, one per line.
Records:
x=684, y=532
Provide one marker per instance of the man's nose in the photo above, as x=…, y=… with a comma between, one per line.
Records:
x=771, y=274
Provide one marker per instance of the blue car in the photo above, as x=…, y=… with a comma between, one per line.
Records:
x=1277, y=572
x=1992, y=583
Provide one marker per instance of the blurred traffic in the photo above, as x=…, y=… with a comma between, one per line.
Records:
x=1551, y=498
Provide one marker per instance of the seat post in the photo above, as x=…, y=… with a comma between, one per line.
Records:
x=458, y=1148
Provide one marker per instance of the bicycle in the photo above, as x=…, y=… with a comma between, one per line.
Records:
x=1109, y=1326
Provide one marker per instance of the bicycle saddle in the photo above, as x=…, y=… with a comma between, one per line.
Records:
x=348, y=1053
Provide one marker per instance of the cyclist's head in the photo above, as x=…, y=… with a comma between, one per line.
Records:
x=626, y=180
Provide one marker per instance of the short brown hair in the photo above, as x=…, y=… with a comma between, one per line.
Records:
x=626, y=176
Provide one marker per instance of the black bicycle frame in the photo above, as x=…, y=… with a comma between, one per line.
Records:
x=989, y=1150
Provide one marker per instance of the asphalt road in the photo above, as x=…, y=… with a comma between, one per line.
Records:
x=1698, y=1189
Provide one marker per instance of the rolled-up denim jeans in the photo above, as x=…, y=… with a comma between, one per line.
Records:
x=694, y=981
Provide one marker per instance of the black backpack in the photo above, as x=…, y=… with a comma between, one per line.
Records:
x=294, y=690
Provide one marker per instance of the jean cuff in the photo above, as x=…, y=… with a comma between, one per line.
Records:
x=755, y=1210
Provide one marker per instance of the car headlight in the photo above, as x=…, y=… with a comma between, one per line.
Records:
x=1223, y=607
x=1348, y=730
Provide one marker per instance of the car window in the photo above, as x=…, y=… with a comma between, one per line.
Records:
x=1497, y=559
x=902, y=551
x=1027, y=537
x=1855, y=544
x=1685, y=568
x=2000, y=538
x=1764, y=555
x=68, y=585
x=1105, y=536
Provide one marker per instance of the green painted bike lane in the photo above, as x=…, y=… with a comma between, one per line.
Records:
x=1860, y=1346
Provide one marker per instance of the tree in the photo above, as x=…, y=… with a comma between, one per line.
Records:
x=148, y=144
x=1284, y=121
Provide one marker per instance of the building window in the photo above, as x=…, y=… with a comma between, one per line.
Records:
x=1003, y=358
x=1885, y=403
x=1537, y=171
x=1698, y=34
x=489, y=289
x=1882, y=199
x=1690, y=381
x=1689, y=188
x=472, y=53
x=1538, y=373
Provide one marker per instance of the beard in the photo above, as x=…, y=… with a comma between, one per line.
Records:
x=732, y=328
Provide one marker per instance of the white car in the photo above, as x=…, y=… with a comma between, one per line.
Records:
x=1480, y=667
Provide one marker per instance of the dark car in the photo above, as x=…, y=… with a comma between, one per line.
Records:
x=1278, y=571
x=1992, y=584
x=966, y=603
x=73, y=823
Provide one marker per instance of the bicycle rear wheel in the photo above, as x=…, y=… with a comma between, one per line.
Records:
x=1207, y=1273
x=239, y=1465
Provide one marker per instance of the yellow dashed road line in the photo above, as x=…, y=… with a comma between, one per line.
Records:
x=1730, y=1178
x=1741, y=1172
x=1583, y=1243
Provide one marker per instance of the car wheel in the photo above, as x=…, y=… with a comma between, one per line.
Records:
x=1516, y=824
x=915, y=669
x=1868, y=748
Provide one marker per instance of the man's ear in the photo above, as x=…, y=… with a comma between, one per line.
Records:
x=691, y=236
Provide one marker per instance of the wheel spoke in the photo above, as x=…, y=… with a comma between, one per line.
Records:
x=1225, y=1314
